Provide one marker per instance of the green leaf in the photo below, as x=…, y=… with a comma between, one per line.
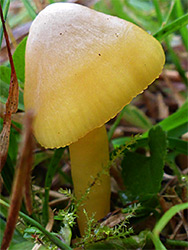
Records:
x=132, y=242
x=183, y=31
x=175, y=124
x=5, y=7
x=157, y=243
x=136, y=117
x=180, y=146
x=175, y=59
x=26, y=245
x=17, y=237
x=13, y=144
x=40, y=157
x=5, y=73
x=172, y=27
x=140, y=13
x=29, y=8
x=119, y=8
x=8, y=174
x=102, y=6
x=167, y=217
x=32, y=230
x=116, y=123
x=172, y=54
x=4, y=91
x=48, y=180
x=137, y=168
x=111, y=244
x=163, y=222
x=19, y=60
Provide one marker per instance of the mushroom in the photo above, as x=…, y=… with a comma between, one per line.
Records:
x=82, y=67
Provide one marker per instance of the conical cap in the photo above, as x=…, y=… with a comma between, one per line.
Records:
x=82, y=68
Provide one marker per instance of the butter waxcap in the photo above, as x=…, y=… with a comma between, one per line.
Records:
x=82, y=67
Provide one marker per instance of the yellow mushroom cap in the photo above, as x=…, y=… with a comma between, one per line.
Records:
x=82, y=67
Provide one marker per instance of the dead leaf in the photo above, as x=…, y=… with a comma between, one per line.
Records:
x=11, y=104
x=163, y=111
x=114, y=220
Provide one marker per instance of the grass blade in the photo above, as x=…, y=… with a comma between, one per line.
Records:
x=5, y=6
x=183, y=30
x=30, y=9
x=116, y=123
x=163, y=222
x=172, y=27
x=176, y=61
x=169, y=13
x=157, y=243
x=158, y=11
x=167, y=217
x=178, y=145
x=167, y=41
x=48, y=181
x=119, y=8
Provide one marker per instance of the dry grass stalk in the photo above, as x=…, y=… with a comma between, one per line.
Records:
x=21, y=177
x=11, y=104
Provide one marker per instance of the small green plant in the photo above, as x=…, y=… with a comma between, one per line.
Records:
x=97, y=232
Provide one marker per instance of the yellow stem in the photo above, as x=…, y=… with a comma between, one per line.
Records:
x=89, y=156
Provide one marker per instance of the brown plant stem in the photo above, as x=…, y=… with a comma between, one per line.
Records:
x=22, y=169
x=11, y=104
